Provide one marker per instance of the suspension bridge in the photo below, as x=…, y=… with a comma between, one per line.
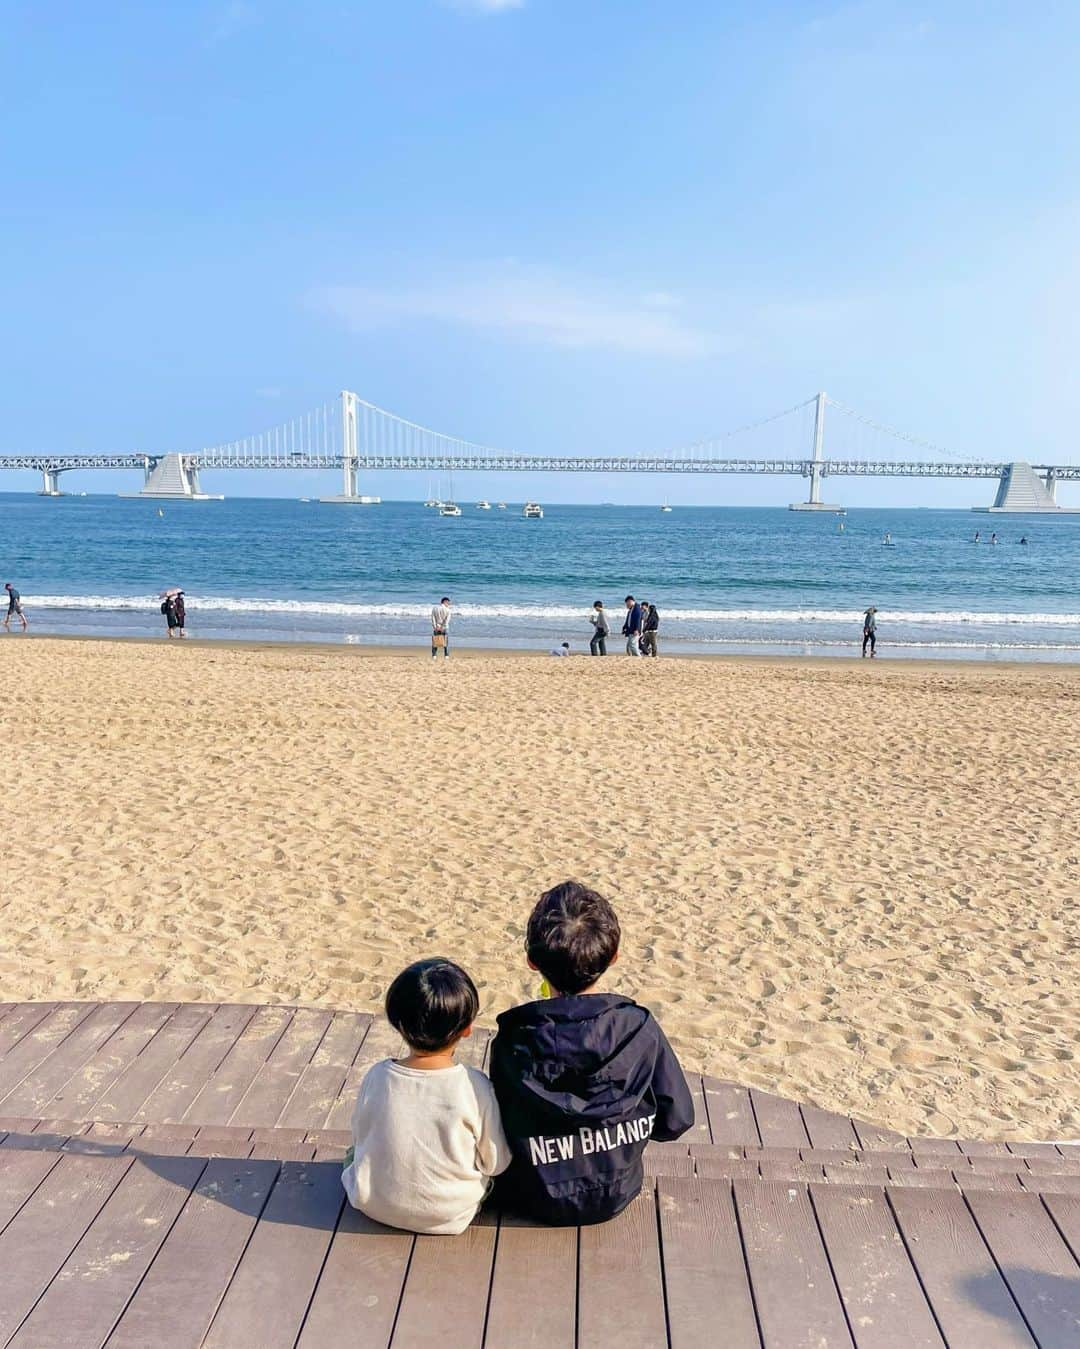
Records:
x=354, y=437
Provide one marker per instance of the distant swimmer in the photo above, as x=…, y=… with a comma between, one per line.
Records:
x=993, y=538
x=1023, y=543
x=840, y=527
x=869, y=631
x=976, y=538
x=887, y=542
x=14, y=606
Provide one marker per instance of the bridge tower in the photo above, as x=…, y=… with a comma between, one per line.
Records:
x=50, y=483
x=350, y=452
x=813, y=468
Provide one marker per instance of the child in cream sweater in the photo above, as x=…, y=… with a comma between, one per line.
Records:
x=427, y=1138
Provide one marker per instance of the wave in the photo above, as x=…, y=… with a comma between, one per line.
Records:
x=340, y=608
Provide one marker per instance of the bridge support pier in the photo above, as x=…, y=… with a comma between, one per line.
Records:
x=1022, y=492
x=50, y=483
x=814, y=502
x=171, y=478
x=350, y=442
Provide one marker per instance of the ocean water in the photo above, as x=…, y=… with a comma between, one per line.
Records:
x=738, y=580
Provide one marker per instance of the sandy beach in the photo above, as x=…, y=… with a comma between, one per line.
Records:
x=851, y=883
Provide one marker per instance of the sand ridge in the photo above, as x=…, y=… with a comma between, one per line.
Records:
x=853, y=884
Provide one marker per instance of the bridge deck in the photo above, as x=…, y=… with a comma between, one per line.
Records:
x=170, y=1175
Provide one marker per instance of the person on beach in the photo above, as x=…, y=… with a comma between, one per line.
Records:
x=175, y=613
x=601, y=630
x=427, y=1138
x=869, y=631
x=584, y=1079
x=563, y=650
x=14, y=606
x=650, y=625
x=631, y=628
x=440, y=628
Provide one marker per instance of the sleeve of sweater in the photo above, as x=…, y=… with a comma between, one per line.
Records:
x=674, y=1104
x=493, y=1153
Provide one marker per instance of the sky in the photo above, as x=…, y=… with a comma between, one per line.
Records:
x=546, y=225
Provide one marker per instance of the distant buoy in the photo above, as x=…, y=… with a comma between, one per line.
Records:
x=161, y=513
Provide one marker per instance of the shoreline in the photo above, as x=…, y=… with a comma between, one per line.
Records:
x=349, y=650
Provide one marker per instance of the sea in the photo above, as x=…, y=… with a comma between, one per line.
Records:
x=737, y=580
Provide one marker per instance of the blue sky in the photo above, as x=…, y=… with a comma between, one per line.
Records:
x=545, y=225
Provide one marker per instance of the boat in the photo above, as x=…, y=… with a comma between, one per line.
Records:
x=483, y=506
x=533, y=511
x=432, y=503
x=501, y=506
x=665, y=507
x=305, y=500
x=449, y=508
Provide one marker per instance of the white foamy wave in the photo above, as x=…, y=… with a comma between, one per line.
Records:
x=340, y=608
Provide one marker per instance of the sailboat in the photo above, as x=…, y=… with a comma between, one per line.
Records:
x=665, y=507
x=432, y=502
x=450, y=507
x=483, y=505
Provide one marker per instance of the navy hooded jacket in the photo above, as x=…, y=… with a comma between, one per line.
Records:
x=583, y=1083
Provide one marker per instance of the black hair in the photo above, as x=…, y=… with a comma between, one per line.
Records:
x=445, y=599
x=629, y=599
x=572, y=936
x=598, y=604
x=431, y=1002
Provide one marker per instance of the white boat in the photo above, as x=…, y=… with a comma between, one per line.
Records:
x=432, y=504
x=533, y=511
x=501, y=506
x=665, y=507
x=449, y=508
x=483, y=506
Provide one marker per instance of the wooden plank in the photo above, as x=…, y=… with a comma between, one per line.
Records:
x=1041, y=1184
x=316, y=1094
x=731, y=1117
x=699, y=1130
x=20, y=1021
x=39, y=1087
x=447, y=1286
x=77, y=1096
x=533, y=1287
x=20, y=1175
x=1034, y=1150
x=39, y=1043
x=987, y=1180
x=341, y=1043
x=1036, y=1264
x=797, y=1302
x=934, y=1150
x=382, y=1041
x=269, y=1294
x=828, y=1129
x=969, y=1298
x=172, y=1096
x=880, y=1290
x=358, y=1293
x=704, y=1271
x=176, y=1302
x=656, y=1162
x=921, y=1177
x=220, y=1094
x=472, y=1050
x=85, y=1299
x=862, y=1175
x=620, y=1293
x=779, y=1122
x=279, y=1076
x=1065, y=1211
x=47, y=1229
x=340, y=1116
x=876, y=1138
x=726, y=1168
x=124, y=1098
x=973, y=1147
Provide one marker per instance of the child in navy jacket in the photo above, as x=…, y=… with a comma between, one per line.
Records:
x=583, y=1079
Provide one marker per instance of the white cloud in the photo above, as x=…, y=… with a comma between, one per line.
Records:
x=527, y=303
x=483, y=6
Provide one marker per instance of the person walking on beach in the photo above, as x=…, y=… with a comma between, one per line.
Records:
x=650, y=625
x=14, y=606
x=440, y=628
x=172, y=606
x=631, y=628
x=601, y=630
x=869, y=631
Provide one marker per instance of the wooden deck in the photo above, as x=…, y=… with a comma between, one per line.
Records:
x=170, y=1176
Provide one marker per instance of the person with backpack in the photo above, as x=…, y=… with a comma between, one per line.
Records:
x=631, y=628
x=869, y=631
x=601, y=630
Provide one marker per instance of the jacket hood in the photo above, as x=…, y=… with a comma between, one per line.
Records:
x=589, y=1055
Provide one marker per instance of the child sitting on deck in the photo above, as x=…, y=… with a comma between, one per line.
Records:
x=584, y=1079
x=426, y=1132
